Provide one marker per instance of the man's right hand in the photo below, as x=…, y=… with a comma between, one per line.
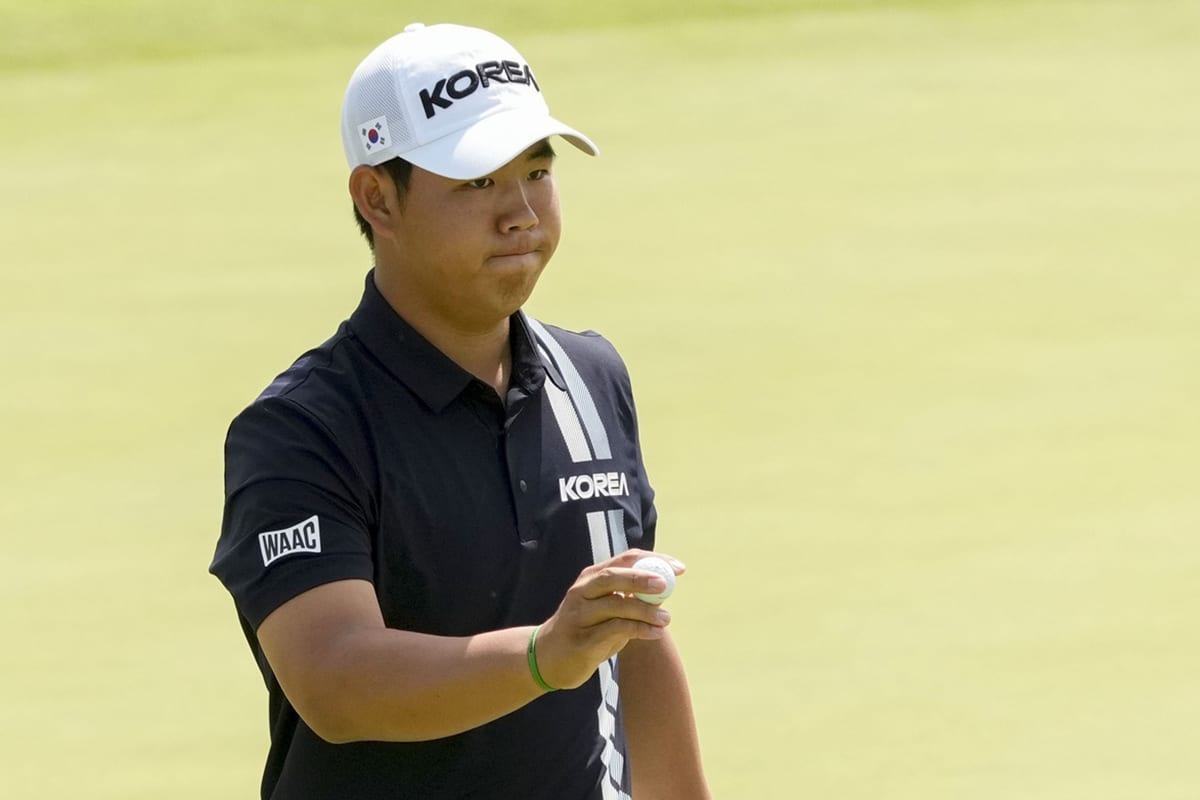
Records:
x=598, y=616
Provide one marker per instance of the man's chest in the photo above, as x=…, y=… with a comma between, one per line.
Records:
x=484, y=523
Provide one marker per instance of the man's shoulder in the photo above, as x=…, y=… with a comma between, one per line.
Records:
x=310, y=373
x=586, y=350
x=316, y=388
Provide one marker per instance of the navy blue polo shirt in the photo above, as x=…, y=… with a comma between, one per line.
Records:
x=376, y=457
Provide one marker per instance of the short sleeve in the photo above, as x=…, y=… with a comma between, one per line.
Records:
x=295, y=509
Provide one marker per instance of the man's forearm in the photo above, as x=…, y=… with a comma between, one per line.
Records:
x=352, y=679
x=664, y=749
x=391, y=685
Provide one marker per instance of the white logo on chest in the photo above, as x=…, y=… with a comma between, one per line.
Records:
x=304, y=537
x=600, y=484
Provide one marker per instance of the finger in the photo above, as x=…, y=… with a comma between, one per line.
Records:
x=630, y=557
x=610, y=579
x=620, y=631
x=614, y=606
x=675, y=563
x=678, y=566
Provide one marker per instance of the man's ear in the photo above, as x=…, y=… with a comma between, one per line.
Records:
x=376, y=198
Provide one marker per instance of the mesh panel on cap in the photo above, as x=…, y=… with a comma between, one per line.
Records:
x=401, y=134
x=374, y=95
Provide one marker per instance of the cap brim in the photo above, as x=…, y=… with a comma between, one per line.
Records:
x=491, y=143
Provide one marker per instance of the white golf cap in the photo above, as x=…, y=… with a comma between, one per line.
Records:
x=456, y=101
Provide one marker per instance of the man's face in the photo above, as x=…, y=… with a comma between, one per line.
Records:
x=470, y=252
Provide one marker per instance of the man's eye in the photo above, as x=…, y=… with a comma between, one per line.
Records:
x=480, y=183
x=538, y=174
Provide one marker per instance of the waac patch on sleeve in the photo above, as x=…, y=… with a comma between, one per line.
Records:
x=304, y=537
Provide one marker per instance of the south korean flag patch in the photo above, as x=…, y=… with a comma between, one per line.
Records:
x=374, y=134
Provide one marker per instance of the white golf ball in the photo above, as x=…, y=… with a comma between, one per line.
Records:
x=660, y=567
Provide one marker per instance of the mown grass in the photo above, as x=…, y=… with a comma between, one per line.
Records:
x=908, y=292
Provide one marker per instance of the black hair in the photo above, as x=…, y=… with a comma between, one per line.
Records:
x=401, y=171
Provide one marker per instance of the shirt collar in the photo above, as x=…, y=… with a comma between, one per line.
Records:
x=527, y=351
x=427, y=371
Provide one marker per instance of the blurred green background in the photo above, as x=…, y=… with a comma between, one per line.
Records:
x=908, y=291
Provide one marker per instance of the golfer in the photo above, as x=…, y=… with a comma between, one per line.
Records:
x=430, y=519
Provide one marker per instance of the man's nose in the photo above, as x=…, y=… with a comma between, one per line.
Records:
x=518, y=214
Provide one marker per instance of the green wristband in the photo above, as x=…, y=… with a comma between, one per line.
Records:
x=533, y=667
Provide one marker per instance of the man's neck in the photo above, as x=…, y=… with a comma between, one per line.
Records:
x=484, y=352
x=487, y=356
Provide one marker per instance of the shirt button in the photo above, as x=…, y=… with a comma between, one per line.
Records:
x=524, y=486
